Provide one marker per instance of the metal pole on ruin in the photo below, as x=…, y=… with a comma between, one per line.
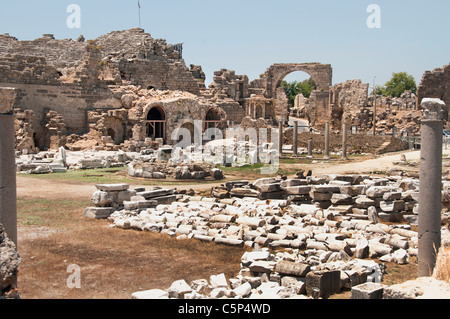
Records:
x=327, y=141
x=430, y=180
x=344, y=141
x=8, y=195
x=295, y=150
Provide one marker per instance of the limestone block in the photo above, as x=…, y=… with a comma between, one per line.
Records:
x=322, y=284
x=156, y=193
x=243, y=290
x=292, y=268
x=341, y=199
x=218, y=281
x=150, y=294
x=262, y=266
x=178, y=289
x=103, y=199
x=391, y=206
x=268, y=188
x=319, y=196
x=362, y=248
x=368, y=290
x=112, y=187
x=298, y=190
x=364, y=202
x=98, y=212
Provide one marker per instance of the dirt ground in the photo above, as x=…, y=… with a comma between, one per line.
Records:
x=116, y=263
x=27, y=186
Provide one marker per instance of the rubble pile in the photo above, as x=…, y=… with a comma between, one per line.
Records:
x=329, y=242
x=147, y=164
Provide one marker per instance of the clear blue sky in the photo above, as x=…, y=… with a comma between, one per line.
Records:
x=249, y=35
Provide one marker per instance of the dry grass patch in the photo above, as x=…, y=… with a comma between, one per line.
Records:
x=113, y=263
x=442, y=269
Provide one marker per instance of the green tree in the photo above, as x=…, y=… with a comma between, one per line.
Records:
x=294, y=88
x=398, y=84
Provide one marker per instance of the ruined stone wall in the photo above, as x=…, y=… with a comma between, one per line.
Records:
x=346, y=99
x=319, y=109
x=131, y=55
x=435, y=84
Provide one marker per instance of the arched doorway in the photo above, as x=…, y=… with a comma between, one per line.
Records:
x=213, y=118
x=111, y=133
x=156, y=123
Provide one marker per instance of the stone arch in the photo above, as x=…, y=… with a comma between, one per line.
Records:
x=320, y=73
x=213, y=118
x=156, y=121
x=110, y=132
x=113, y=127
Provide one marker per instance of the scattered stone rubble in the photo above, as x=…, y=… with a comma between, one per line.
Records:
x=9, y=264
x=146, y=164
x=330, y=230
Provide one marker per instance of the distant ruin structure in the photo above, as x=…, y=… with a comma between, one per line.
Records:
x=126, y=90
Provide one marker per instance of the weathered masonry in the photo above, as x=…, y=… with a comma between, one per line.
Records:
x=126, y=90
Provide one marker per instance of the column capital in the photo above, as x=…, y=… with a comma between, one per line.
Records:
x=432, y=109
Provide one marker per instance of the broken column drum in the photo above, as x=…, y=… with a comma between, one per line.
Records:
x=327, y=141
x=430, y=185
x=295, y=150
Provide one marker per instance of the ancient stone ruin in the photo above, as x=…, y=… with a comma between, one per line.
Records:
x=324, y=233
x=128, y=91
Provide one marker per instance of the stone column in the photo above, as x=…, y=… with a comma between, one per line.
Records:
x=8, y=201
x=310, y=147
x=344, y=141
x=295, y=147
x=327, y=141
x=280, y=137
x=430, y=185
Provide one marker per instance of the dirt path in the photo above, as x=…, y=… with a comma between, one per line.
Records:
x=41, y=188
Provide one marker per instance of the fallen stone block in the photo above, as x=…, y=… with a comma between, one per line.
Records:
x=368, y=290
x=244, y=192
x=362, y=249
x=269, y=188
x=98, y=212
x=218, y=281
x=156, y=193
x=259, y=266
x=320, y=196
x=229, y=241
x=298, y=190
x=150, y=294
x=178, y=289
x=165, y=199
x=103, y=198
x=292, y=268
x=243, y=290
x=364, y=202
x=143, y=204
x=323, y=284
x=391, y=206
x=271, y=195
x=112, y=187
